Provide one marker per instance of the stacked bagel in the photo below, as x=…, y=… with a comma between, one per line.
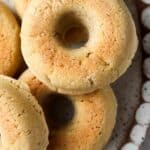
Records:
x=74, y=50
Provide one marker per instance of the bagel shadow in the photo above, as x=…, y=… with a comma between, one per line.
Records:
x=59, y=110
x=70, y=31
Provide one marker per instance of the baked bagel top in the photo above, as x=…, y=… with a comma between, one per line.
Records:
x=10, y=53
x=109, y=38
x=82, y=122
x=22, y=123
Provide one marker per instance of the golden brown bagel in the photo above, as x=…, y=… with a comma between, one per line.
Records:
x=89, y=119
x=22, y=123
x=10, y=54
x=106, y=54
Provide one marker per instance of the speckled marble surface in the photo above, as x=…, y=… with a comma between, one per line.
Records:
x=146, y=144
x=125, y=92
x=128, y=92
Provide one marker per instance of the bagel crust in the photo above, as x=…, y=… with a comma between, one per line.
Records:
x=20, y=6
x=10, y=53
x=93, y=121
x=22, y=123
x=107, y=54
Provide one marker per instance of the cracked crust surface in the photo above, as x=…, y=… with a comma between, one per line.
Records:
x=107, y=54
x=10, y=54
x=22, y=123
x=95, y=113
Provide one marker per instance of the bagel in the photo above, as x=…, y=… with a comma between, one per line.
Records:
x=10, y=5
x=10, y=53
x=22, y=123
x=76, y=122
x=107, y=52
x=37, y=88
x=20, y=6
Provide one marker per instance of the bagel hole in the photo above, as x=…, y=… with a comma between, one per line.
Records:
x=59, y=110
x=71, y=32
